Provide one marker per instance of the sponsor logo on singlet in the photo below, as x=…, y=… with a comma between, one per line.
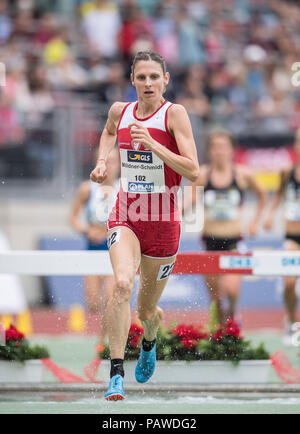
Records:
x=140, y=156
x=140, y=187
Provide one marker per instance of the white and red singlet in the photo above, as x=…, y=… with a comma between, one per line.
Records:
x=147, y=200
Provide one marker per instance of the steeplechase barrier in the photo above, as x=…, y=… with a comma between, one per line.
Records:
x=257, y=263
x=71, y=262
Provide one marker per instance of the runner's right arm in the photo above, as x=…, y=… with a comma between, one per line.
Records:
x=278, y=196
x=107, y=141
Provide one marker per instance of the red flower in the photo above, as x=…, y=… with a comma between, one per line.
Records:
x=218, y=335
x=189, y=336
x=12, y=334
x=232, y=329
x=134, y=335
x=179, y=330
x=135, y=330
x=184, y=331
x=134, y=341
x=189, y=343
x=229, y=329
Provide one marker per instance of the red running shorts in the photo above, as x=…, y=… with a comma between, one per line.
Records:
x=158, y=239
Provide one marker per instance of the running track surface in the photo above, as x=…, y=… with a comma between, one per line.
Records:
x=55, y=322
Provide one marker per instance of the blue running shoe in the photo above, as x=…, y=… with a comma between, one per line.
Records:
x=115, y=390
x=146, y=365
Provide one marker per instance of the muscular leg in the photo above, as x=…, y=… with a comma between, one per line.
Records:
x=215, y=293
x=105, y=296
x=92, y=288
x=150, y=291
x=125, y=258
x=290, y=296
x=230, y=284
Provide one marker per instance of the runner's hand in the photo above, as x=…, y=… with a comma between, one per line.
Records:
x=140, y=134
x=99, y=174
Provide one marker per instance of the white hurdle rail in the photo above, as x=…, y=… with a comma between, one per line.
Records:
x=56, y=263
x=73, y=262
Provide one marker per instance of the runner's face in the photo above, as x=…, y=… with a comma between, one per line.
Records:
x=221, y=150
x=149, y=80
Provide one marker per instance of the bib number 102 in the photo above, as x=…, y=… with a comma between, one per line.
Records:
x=140, y=178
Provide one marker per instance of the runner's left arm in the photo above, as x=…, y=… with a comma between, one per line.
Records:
x=277, y=197
x=186, y=163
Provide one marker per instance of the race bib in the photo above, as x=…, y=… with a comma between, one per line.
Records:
x=222, y=205
x=141, y=172
x=113, y=238
x=165, y=271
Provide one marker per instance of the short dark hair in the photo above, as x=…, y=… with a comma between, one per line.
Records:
x=149, y=55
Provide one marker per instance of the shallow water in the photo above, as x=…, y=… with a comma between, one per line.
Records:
x=61, y=403
x=74, y=352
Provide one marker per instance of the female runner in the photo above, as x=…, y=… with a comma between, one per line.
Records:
x=156, y=148
x=224, y=186
x=289, y=190
x=97, y=200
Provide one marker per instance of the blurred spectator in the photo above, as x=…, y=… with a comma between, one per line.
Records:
x=214, y=44
x=46, y=29
x=67, y=74
x=192, y=96
x=241, y=11
x=148, y=6
x=274, y=108
x=12, y=156
x=56, y=49
x=217, y=91
x=190, y=46
x=38, y=101
x=101, y=27
x=11, y=131
x=24, y=25
x=98, y=69
x=5, y=22
x=58, y=7
x=165, y=33
x=237, y=91
x=196, y=104
x=199, y=12
x=230, y=61
x=254, y=57
x=113, y=89
x=238, y=99
x=127, y=34
x=135, y=27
